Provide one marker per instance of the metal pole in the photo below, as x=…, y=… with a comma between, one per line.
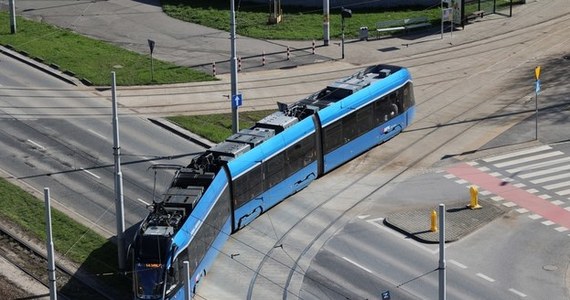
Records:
x=151, y=68
x=342, y=39
x=187, y=295
x=233, y=67
x=49, y=242
x=119, y=201
x=442, y=19
x=442, y=275
x=536, y=115
x=326, y=23
x=12, y=7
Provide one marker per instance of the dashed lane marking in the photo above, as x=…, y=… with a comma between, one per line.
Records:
x=462, y=266
x=485, y=277
x=520, y=294
x=91, y=173
x=36, y=144
x=357, y=264
x=144, y=202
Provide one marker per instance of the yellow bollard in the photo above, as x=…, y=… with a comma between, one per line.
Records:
x=433, y=221
x=474, y=198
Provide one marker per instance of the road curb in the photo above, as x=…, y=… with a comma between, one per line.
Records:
x=182, y=132
x=40, y=66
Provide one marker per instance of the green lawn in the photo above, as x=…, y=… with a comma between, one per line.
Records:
x=299, y=23
x=218, y=127
x=90, y=59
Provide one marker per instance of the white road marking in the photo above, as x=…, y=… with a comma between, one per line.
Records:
x=528, y=159
x=557, y=185
x=511, y=155
x=539, y=165
x=485, y=277
x=356, y=264
x=564, y=192
x=521, y=294
x=97, y=134
x=535, y=216
x=91, y=173
x=144, y=202
x=36, y=144
x=462, y=266
x=550, y=178
x=363, y=217
x=544, y=172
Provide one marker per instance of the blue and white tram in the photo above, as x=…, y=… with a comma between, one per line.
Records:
x=234, y=182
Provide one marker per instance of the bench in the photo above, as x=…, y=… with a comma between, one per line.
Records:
x=476, y=14
x=418, y=22
x=386, y=26
x=399, y=25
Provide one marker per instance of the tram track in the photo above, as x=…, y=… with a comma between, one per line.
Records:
x=394, y=163
x=27, y=257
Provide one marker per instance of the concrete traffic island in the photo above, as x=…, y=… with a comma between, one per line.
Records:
x=460, y=220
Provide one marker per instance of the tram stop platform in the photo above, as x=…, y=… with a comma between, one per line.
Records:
x=460, y=220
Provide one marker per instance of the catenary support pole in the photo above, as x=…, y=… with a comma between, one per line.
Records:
x=49, y=243
x=233, y=67
x=12, y=7
x=119, y=201
x=326, y=22
x=442, y=275
x=187, y=295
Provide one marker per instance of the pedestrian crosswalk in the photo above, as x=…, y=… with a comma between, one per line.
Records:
x=541, y=173
x=543, y=168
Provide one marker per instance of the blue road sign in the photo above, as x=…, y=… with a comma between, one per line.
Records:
x=237, y=100
x=537, y=88
x=386, y=295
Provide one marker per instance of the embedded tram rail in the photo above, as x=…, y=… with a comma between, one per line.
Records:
x=24, y=256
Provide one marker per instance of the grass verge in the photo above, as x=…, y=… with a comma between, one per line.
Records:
x=71, y=239
x=88, y=58
x=218, y=127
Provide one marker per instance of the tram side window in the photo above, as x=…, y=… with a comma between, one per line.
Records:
x=408, y=95
x=301, y=154
x=365, y=119
x=248, y=186
x=349, y=127
x=275, y=170
x=332, y=136
x=209, y=230
x=382, y=110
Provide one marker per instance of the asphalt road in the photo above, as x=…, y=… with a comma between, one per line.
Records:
x=468, y=94
x=467, y=97
x=54, y=135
